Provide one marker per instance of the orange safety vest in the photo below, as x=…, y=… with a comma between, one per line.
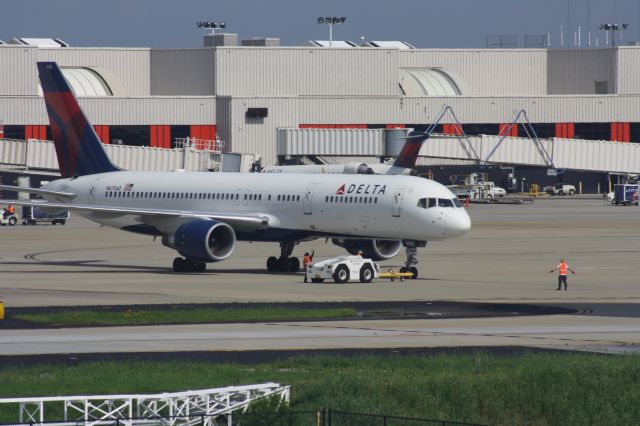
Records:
x=10, y=210
x=562, y=268
x=306, y=261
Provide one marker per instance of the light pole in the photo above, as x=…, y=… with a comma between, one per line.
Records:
x=522, y=185
x=613, y=28
x=211, y=25
x=331, y=20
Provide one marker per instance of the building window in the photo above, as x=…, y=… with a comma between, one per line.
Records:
x=601, y=87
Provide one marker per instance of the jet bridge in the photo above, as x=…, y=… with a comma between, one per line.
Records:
x=553, y=153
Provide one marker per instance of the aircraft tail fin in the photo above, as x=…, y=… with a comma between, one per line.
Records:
x=78, y=147
x=409, y=153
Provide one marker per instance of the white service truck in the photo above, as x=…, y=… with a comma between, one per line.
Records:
x=342, y=269
x=559, y=189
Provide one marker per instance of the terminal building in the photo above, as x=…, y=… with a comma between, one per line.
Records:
x=243, y=94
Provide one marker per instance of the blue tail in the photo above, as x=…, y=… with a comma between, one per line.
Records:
x=78, y=147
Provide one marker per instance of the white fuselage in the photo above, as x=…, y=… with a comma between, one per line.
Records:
x=298, y=206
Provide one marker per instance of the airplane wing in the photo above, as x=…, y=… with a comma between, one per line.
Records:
x=246, y=221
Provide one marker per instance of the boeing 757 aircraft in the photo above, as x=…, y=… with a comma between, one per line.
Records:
x=404, y=164
x=201, y=215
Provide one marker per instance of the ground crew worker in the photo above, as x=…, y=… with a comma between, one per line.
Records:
x=8, y=211
x=359, y=253
x=562, y=273
x=306, y=261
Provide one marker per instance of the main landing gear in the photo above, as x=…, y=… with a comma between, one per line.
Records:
x=284, y=263
x=410, y=265
x=181, y=264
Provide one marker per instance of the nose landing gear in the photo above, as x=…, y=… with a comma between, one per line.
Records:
x=284, y=263
x=411, y=250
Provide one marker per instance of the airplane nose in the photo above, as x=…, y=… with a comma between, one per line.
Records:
x=458, y=223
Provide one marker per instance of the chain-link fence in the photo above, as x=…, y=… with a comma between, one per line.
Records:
x=285, y=417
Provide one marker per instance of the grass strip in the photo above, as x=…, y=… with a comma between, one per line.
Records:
x=180, y=316
x=530, y=389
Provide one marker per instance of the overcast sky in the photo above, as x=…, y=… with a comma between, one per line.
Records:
x=423, y=23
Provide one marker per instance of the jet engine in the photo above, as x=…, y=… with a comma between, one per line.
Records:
x=357, y=169
x=372, y=249
x=203, y=240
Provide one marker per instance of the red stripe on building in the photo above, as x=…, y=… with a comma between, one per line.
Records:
x=614, y=132
x=395, y=126
x=166, y=140
x=153, y=136
x=103, y=133
x=565, y=130
x=194, y=132
x=1, y=131
x=106, y=136
x=626, y=132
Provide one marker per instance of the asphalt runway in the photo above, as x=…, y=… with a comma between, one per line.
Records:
x=504, y=259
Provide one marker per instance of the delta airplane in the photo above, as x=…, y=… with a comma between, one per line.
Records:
x=404, y=164
x=201, y=215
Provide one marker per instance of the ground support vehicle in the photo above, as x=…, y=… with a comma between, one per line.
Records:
x=9, y=219
x=32, y=215
x=342, y=269
x=560, y=189
x=625, y=194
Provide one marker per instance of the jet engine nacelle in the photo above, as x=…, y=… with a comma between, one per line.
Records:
x=203, y=240
x=357, y=169
x=371, y=249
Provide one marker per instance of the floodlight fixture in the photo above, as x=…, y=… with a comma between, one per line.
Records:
x=331, y=21
x=613, y=28
x=210, y=25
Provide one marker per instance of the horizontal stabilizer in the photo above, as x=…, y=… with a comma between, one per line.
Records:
x=65, y=195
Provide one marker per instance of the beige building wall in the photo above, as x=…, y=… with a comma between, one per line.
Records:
x=182, y=72
x=291, y=71
x=486, y=72
x=629, y=70
x=578, y=71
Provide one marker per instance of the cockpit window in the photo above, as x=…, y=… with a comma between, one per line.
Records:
x=426, y=203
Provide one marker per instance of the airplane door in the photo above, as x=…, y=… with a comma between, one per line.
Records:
x=397, y=202
x=91, y=199
x=308, y=199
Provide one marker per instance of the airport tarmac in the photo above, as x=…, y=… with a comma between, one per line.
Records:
x=504, y=259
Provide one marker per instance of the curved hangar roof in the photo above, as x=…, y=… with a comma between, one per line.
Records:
x=428, y=82
x=85, y=82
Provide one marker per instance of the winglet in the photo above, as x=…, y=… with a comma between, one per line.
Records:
x=78, y=147
x=409, y=153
